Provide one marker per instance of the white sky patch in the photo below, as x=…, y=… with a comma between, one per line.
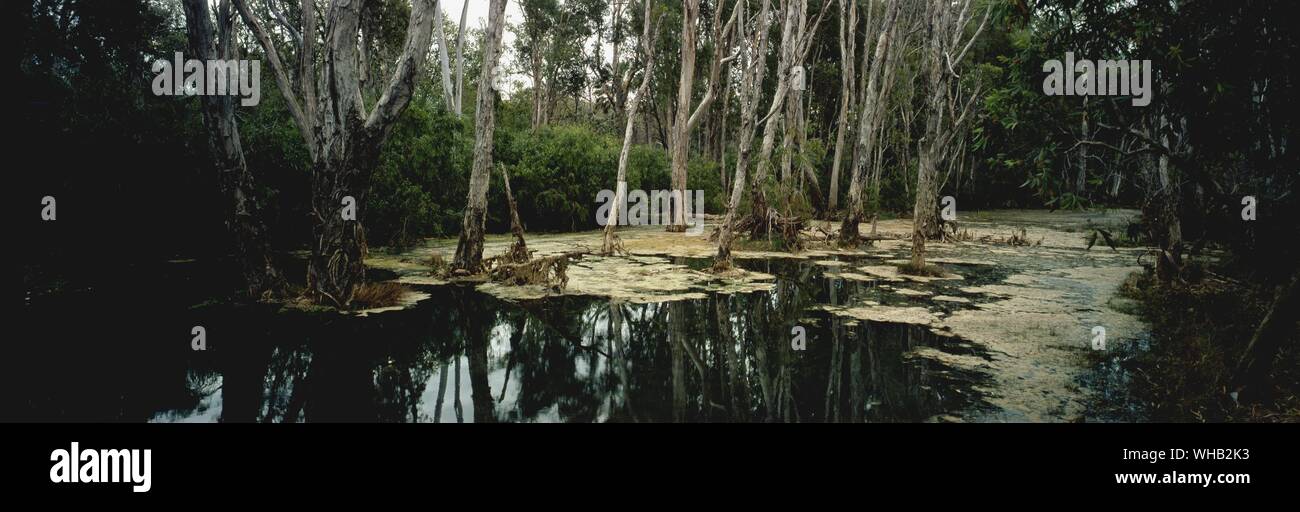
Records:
x=476, y=18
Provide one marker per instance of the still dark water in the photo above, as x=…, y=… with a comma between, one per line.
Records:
x=123, y=354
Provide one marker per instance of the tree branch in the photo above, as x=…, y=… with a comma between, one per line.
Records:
x=419, y=31
x=281, y=78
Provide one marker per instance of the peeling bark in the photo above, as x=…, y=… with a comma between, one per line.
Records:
x=244, y=216
x=469, y=249
x=342, y=136
x=648, y=44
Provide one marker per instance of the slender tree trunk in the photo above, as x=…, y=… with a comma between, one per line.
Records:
x=615, y=77
x=685, y=119
x=796, y=39
x=520, y=249
x=680, y=142
x=610, y=244
x=448, y=90
x=469, y=250
x=753, y=67
x=789, y=42
x=926, y=206
x=848, y=45
x=460, y=60
x=1169, y=265
x=944, y=52
x=1081, y=180
x=244, y=217
x=870, y=113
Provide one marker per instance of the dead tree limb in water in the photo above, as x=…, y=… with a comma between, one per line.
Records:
x=543, y=271
x=519, y=250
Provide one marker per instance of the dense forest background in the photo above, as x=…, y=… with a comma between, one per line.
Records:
x=117, y=153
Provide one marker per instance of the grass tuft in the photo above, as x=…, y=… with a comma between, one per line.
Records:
x=378, y=295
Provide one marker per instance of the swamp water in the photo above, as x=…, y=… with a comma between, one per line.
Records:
x=1005, y=339
x=464, y=356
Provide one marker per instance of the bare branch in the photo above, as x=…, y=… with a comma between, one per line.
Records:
x=419, y=31
x=281, y=78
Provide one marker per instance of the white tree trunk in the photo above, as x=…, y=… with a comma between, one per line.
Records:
x=753, y=67
x=469, y=249
x=648, y=42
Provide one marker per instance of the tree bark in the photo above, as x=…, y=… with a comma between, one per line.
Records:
x=870, y=113
x=244, y=215
x=469, y=250
x=753, y=67
x=684, y=119
x=343, y=136
x=947, y=25
x=680, y=142
x=520, y=249
x=848, y=45
x=448, y=90
x=648, y=43
x=757, y=194
x=460, y=60
x=796, y=39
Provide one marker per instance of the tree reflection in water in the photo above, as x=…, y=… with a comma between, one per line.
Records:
x=582, y=359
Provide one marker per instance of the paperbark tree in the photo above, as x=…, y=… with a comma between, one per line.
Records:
x=448, y=89
x=685, y=118
x=944, y=52
x=796, y=39
x=541, y=19
x=342, y=135
x=848, y=45
x=469, y=249
x=460, y=60
x=243, y=217
x=753, y=66
x=871, y=113
x=649, y=41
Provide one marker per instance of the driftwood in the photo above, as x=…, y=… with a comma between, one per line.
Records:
x=518, y=252
x=546, y=271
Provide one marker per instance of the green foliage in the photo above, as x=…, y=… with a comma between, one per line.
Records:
x=422, y=177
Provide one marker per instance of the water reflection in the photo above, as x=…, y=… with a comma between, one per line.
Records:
x=463, y=356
